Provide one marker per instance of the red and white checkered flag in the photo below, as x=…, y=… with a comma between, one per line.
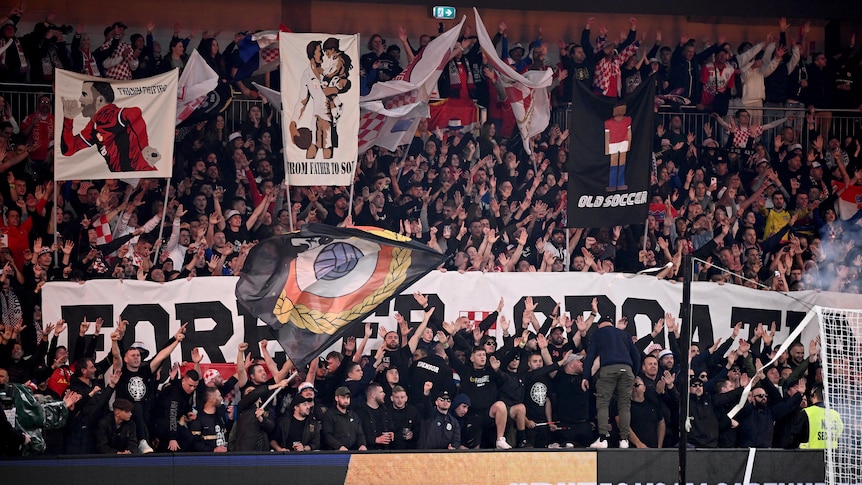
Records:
x=392, y=110
x=527, y=94
x=103, y=230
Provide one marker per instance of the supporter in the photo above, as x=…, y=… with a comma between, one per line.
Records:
x=342, y=429
x=38, y=127
x=647, y=420
x=441, y=430
x=115, y=433
x=175, y=410
x=377, y=423
x=210, y=430
x=406, y=420
x=298, y=431
x=253, y=421
x=617, y=357
x=117, y=57
x=137, y=383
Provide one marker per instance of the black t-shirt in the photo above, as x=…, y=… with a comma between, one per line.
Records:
x=645, y=418
x=137, y=386
x=400, y=359
x=294, y=432
x=237, y=238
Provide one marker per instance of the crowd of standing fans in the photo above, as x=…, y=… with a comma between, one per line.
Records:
x=743, y=195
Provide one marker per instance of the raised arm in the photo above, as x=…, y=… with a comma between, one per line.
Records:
x=414, y=340
x=166, y=352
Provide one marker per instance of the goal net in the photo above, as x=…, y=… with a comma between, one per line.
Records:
x=841, y=355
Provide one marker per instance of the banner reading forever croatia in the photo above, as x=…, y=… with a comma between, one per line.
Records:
x=611, y=156
x=114, y=129
x=320, y=96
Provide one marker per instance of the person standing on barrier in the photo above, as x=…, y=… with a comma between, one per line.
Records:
x=617, y=357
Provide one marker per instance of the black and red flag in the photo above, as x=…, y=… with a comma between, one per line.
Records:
x=312, y=285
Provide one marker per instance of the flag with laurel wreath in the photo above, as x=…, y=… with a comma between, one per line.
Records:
x=312, y=285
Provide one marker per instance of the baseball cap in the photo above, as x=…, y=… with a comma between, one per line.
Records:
x=654, y=59
x=342, y=391
x=231, y=213
x=307, y=385
x=233, y=136
x=816, y=164
x=556, y=328
x=517, y=46
x=664, y=353
x=443, y=394
x=795, y=146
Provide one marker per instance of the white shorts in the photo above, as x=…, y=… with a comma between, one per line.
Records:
x=618, y=147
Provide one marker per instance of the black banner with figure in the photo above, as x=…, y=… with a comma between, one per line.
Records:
x=610, y=156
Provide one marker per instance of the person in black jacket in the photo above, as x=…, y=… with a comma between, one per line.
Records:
x=342, y=428
x=707, y=419
x=176, y=401
x=115, y=433
x=618, y=356
x=92, y=407
x=441, y=431
x=209, y=431
x=377, y=424
x=298, y=431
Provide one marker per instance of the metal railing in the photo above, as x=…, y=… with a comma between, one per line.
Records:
x=23, y=99
x=841, y=122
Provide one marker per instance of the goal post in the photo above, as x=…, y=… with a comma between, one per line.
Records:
x=841, y=370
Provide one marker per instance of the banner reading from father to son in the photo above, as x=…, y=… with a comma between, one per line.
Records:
x=320, y=96
x=114, y=129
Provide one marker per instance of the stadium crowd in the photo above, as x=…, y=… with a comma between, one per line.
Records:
x=745, y=196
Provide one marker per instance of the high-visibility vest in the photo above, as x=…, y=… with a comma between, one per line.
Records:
x=817, y=428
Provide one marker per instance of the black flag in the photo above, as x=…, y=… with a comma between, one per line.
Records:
x=611, y=156
x=312, y=285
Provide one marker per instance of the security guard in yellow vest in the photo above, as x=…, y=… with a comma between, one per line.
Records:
x=814, y=431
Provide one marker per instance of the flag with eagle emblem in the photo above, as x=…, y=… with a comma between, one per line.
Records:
x=312, y=285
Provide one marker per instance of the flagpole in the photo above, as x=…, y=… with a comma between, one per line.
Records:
x=164, y=214
x=568, y=251
x=287, y=185
x=352, y=189
x=54, y=208
x=646, y=231
x=272, y=397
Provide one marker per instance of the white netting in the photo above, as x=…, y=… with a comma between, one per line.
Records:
x=841, y=353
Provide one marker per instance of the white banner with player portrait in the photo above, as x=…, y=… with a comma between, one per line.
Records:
x=114, y=129
x=320, y=96
x=217, y=324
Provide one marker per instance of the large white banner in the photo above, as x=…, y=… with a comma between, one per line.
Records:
x=155, y=311
x=320, y=96
x=114, y=129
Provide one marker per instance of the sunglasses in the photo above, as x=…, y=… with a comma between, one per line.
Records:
x=695, y=384
x=449, y=399
x=758, y=396
x=636, y=385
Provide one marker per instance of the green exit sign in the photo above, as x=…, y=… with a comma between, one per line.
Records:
x=444, y=12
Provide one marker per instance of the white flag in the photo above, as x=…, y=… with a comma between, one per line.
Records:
x=196, y=81
x=320, y=95
x=391, y=104
x=527, y=94
x=114, y=129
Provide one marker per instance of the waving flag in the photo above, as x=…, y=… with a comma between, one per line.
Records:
x=526, y=93
x=849, y=203
x=258, y=53
x=197, y=79
x=311, y=286
x=392, y=110
x=271, y=96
